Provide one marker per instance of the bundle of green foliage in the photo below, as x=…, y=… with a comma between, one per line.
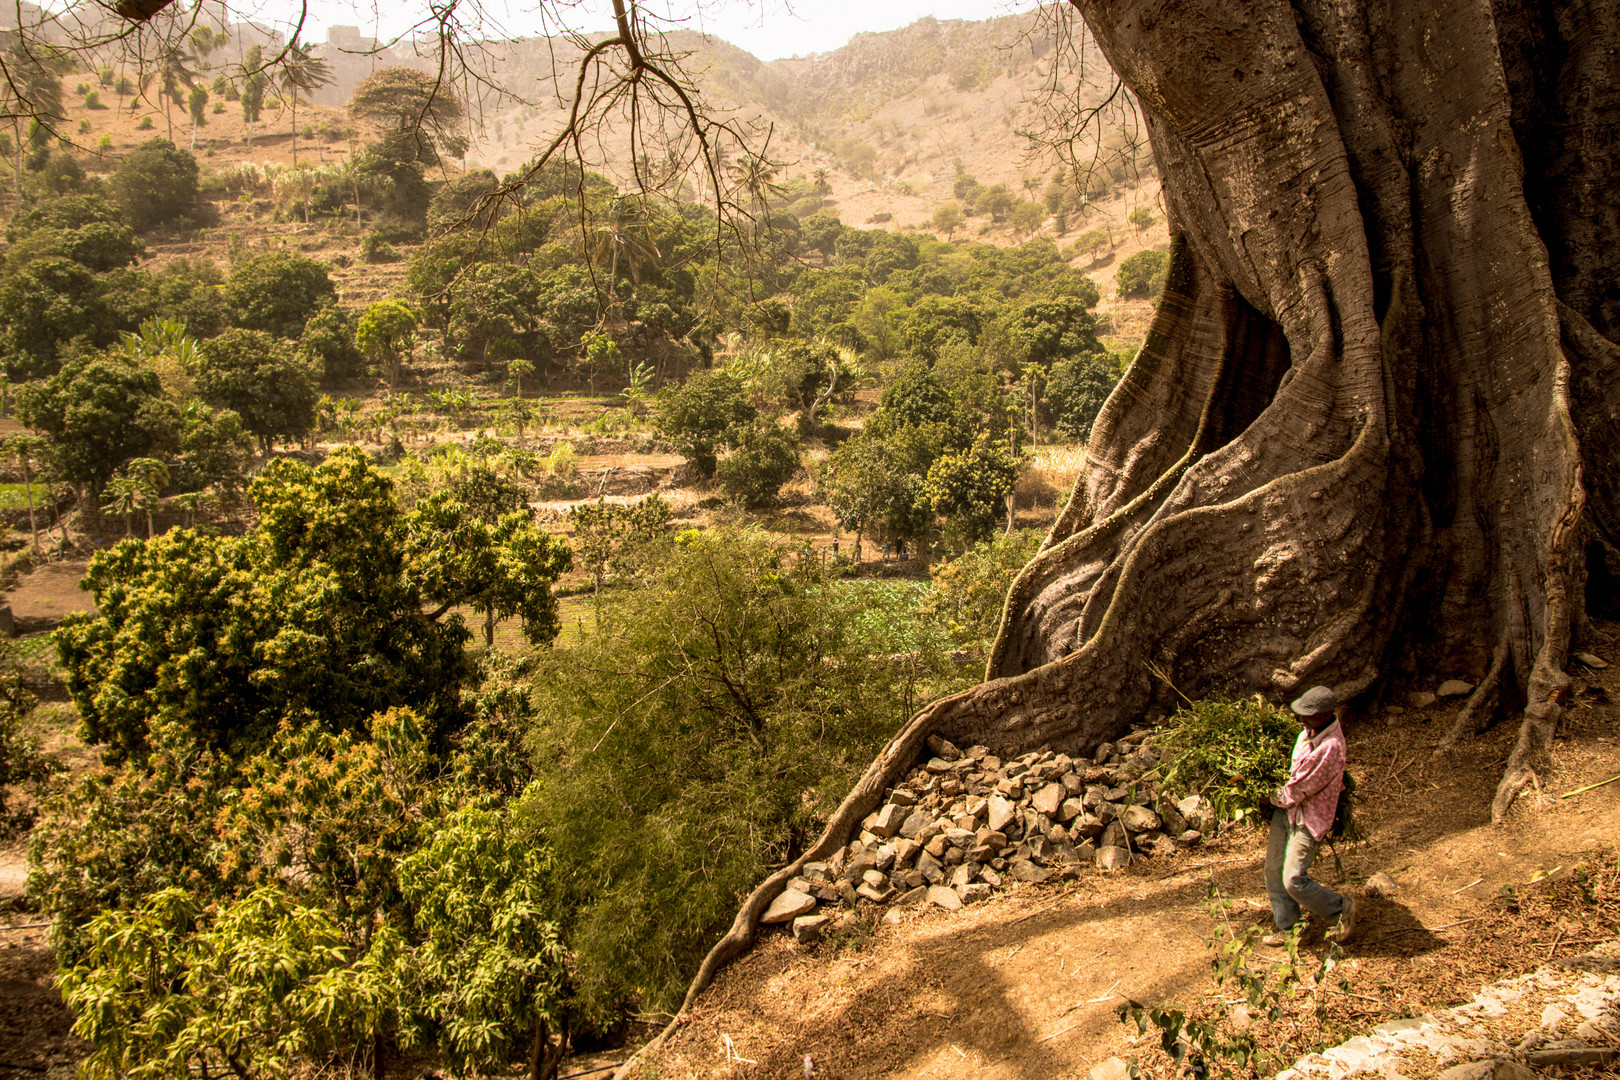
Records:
x=329, y=347
x=970, y=488
x=21, y=760
x=336, y=605
x=330, y=893
x=722, y=710
x=1234, y=753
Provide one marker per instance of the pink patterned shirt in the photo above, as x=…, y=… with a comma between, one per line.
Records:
x=1312, y=792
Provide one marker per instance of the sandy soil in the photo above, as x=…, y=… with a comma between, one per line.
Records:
x=40, y=600
x=1026, y=985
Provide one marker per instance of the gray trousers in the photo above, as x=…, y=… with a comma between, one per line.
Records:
x=1289, y=854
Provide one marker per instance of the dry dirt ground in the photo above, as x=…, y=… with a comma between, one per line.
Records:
x=1026, y=985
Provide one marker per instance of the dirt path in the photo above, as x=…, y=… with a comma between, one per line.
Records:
x=1026, y=984
x=44, y=597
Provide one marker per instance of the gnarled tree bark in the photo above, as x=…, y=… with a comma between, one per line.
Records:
x=1373, y=427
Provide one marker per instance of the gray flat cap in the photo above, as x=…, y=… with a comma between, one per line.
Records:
x=1316, y=700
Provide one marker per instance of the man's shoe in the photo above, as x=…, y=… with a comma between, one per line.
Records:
x=1347, y=922
x=1276, y=940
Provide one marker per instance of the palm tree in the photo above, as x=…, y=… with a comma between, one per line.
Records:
x=822, y=177
x=32, y=90
x=756, y=176
x=623, y=234
x=175, y=76
x=301, y=74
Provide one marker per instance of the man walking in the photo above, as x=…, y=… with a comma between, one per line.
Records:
x=1304, y=812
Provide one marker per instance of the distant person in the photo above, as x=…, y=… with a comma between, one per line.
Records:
x=1304, y=812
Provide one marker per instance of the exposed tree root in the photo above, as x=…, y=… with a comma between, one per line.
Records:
x=1482, y=703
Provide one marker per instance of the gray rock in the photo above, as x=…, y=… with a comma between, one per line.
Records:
x=1239, y=1018
x=1114, y=836
x=905, y=852
x=977, y=807
x=807, y=929
x=938, y=765
x=943, y=747
x=1104, y=752
x=1001, y=812
x=1094, y=797
x=1086, y=852
x=1108, y=811
x=1380, y=884
x=1421, y=699
x=1049, y=799
x=789, y=905
x=911, y=896
x=875, y=894
x=1585, y=1055
x=1454, y=688
x=1112, y=1069
x=1190, y=838
x=972, y=894
x=1473, y=1070
x=989, y=836
x=1111, y=857
x=1089, y=826
x=1073, y=783
x=902, y=797
x=1139, y=819
x=889, y=820
x=946, y=898
x=883, y=858
x=951, y=787
x=937, y=846
x=963, y=875
x=990, y=878
x=816, y=871
x=914, y=879
x=930, y=868
x=875, y=878
x=1024, y=870
x=981, y=854
x=1596, y=663
x=959, y=838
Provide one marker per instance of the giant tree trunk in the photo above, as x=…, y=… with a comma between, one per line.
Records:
x=1373, y=428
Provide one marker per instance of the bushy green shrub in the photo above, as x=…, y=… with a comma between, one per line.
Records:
x=1076, y=391
x=155, y=184
x=764, y=456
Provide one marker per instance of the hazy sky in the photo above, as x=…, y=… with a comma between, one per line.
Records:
x=770, y=29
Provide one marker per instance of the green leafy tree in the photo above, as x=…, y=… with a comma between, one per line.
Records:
x=723, y=710
x=32, y=90
x=328, y=344
x=763, y=457
x=609, y=537
x=261, y=378
x=868, y=489
x=948, y=219
x=99, y=413
x=155, y=185
x=970, y=488
x=174, y=71
x=335, y=605
x=1076, y=392
x=418, y=118
x=1142, y=275
x=30, y=453
x=1090, y=242
x=21, y=758
x=697, y=415
x=387, y=333
x=1141, y=218
x=970, y=590
x=197, y=102
x=278, y=292
x=44, y=307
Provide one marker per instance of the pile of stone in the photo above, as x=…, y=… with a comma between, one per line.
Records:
x=968, y=823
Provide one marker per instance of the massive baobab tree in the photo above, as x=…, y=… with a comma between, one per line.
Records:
x=1373, y=428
